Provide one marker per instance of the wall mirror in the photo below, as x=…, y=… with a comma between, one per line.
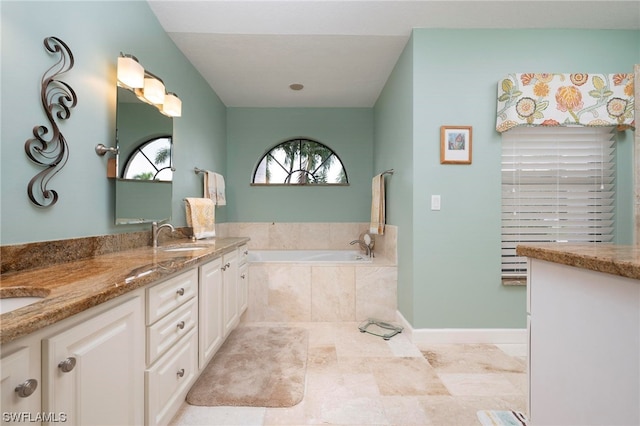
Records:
x=144, y=163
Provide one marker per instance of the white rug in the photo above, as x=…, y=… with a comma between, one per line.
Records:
x=502, y=418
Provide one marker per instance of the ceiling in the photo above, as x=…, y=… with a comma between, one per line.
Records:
x=342, y=51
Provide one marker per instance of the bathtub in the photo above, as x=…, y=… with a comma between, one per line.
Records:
x=308, y=256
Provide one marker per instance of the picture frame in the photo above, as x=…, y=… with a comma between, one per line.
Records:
x=456, y=144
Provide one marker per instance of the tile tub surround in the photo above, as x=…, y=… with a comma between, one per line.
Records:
x=608, y=258
x=311, y=236
x=302, y=292
x=298, y=292
x=78, y=285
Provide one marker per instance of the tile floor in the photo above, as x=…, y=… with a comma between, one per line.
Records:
x=356, y=378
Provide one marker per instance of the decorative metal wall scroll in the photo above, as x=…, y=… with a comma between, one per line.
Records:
x=52, y=153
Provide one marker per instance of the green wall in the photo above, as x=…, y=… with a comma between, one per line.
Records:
x=393, y=149
x=96, y=32
x=456, y=251
x=254, y=131
x=448, y=260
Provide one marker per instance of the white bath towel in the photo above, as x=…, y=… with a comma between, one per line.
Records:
x=377, y=205
x=200, y=214
x=214, y=188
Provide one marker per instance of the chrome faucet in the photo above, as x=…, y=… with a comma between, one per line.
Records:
x=155, y=230
x=364, y=245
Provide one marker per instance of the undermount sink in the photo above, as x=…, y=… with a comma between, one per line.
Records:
x=12, y=298
x=183, y=248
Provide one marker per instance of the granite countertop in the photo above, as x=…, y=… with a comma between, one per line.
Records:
x=73, y=287
x=608, y=258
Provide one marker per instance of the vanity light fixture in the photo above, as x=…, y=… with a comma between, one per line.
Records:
x=130, y=72
x=146, y=86
x=172, y=105
x=153, y=89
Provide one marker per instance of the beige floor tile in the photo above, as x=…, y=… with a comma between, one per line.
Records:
x=472, y=359
x=355, y=378
x=462, y=411
x=464, y=384
x=405, y=410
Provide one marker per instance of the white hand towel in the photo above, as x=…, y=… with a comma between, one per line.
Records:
x=210, y=185
x=214, y=188
x=221, y=198
x=377, y=205
x=200, y=213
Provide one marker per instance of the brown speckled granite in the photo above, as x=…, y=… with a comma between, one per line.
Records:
x=611, y=259
x=77, y=285
x=34, y=255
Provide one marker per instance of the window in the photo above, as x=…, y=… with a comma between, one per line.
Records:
x=151, y=160
x=558, y=185
x=300, y=162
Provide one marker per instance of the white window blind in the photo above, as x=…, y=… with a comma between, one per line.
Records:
x=558, y=185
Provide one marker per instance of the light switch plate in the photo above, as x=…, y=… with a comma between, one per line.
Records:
x=435, y=202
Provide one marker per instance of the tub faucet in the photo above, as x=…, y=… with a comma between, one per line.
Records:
x=364, y=245
x=155, y=230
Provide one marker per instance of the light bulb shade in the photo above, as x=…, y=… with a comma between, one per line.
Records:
x=153, y=90
x=130, y=72
x=172, y=105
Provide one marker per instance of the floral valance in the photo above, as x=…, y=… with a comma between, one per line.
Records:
x=566, y=100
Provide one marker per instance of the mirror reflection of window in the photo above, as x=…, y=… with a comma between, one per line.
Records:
x=151, y=160
x=300, y=162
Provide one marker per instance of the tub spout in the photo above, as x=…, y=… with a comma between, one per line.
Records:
x=364, y=245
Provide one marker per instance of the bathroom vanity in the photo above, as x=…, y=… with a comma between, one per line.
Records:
x=583, y=304
x=121, y=337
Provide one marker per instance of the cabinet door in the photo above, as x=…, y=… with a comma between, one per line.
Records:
x=230, y=291
x=20, y=391
x=243, y=288
x=94, y=371
x=169, y=379
x=210, y=310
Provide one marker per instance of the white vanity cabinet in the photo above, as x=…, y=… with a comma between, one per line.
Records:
x=21, y=381
x=230, y=291
x=243, y=279
x=92, y=371
x=584, y=350
x=210, y=301
x=172, y=345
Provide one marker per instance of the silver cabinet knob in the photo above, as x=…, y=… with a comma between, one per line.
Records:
x=27, y=388
x=246, y=252
x=181, y=372
x=242, y=276
x=67, y=365
x=181, y=325
x=180, y=291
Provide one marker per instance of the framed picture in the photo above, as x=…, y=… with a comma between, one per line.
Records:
x=455, y=145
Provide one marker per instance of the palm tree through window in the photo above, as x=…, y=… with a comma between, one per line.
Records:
x=151, y=160
x=300, y=162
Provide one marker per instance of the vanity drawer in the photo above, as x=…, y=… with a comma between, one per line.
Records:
x=169, y=380
x=167, y=331
x=168, y=295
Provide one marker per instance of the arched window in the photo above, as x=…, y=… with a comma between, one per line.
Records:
x=151, y=160
x=300, y=162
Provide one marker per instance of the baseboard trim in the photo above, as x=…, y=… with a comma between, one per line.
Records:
x=434, y=336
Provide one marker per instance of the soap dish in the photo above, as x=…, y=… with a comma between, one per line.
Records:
x=380, y=328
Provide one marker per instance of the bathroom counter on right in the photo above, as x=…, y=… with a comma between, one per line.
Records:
x=583, y=305
x=622, y=260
